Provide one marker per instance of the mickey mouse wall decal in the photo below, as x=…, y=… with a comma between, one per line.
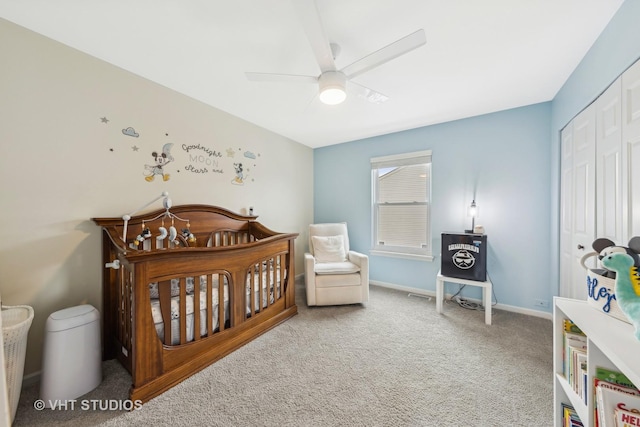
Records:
x=161, y=160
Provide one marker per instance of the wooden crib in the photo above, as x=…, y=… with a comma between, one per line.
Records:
x=232, y=276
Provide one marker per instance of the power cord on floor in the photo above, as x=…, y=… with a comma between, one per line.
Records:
x=465, y=303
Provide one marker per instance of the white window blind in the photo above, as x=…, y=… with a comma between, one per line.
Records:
x=401, y=205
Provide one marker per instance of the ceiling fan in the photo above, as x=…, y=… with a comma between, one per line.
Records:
x=332, y=82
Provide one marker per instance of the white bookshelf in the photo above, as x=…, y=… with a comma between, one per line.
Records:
x=611, y=344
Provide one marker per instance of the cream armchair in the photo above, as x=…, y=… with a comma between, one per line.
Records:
x=334, y=274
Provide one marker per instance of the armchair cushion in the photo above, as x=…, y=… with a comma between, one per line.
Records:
x=344, y=267
x=329, y=249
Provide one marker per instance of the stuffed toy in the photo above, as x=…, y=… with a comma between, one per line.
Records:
x=188, y=235
x=146, y=233
x=606, y=247
x=627, y=287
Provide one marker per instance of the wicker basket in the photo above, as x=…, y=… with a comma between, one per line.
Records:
x=16, y=321
x=601, y=291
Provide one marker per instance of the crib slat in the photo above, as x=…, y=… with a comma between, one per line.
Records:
x=221, y=313
x=164, y=294
x=275, y=267
x=196, y=308
x=252, y=289
x=209, y=310
x=266, y=277
x=279, y=275
x=183, y=310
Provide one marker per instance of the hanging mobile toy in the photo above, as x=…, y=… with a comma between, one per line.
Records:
x=163, y=232
x=173, y=233
x=192, y=238
x=146, y=233
x=188, y=235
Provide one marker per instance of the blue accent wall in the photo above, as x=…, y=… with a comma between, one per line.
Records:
x=501, y=160
x=508, y=161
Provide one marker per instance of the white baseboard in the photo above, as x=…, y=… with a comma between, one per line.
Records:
x=505, y=307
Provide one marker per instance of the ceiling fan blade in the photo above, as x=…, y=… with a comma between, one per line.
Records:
x=289, y=78
x=308, y=13
x=366, y=93
x=387, y=53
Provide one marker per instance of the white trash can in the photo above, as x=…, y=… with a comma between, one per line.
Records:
x=16, y=321
x=71, y=363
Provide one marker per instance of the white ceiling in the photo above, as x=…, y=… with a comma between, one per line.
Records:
x=480, y=56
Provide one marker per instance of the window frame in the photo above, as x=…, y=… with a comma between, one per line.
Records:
x=397, y=160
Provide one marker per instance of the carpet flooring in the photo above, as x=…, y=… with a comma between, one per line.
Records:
x=391, y=362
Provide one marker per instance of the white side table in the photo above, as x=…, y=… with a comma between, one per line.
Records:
x=486, y=292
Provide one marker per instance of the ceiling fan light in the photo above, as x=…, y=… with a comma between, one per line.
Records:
x=332, y=95
x=332, y=87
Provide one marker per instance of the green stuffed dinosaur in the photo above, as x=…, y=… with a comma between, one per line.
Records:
x=627, y=288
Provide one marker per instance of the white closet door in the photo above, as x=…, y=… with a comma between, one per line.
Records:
x=566, y=211
x=609, y=216
x=631, y=149
x=583, y=203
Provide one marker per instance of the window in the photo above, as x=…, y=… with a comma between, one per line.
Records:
x=401, y=208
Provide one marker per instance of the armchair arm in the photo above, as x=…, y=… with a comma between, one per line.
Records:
x=362, y=261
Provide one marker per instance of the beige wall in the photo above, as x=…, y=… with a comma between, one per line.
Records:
x=61, y=165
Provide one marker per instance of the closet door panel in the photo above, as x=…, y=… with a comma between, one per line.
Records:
x=609, y=164
x=633, y=153
x=583, y=197
x=566, y=211
x=631, y=149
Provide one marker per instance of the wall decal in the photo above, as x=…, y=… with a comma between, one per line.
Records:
x=161, y=160
x=202, y=159
x=212, y=160
x=130, y=132
x=239, y=179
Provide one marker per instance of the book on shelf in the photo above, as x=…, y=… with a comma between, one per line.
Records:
x=580, y=383
x=612, y=396
x=574, y=356
x=613, y=379
x=569, y=326
x=569, y=416
x=626, y=418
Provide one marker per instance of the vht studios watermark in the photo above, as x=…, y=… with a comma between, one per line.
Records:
x=88, y=405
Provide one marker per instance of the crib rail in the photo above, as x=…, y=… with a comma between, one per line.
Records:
x=192, y=308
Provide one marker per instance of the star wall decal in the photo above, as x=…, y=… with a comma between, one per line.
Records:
x=135, y=148
x=104, y=120
x=230, y=152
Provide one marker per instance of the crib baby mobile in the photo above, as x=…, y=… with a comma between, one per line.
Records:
x=163, y=233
